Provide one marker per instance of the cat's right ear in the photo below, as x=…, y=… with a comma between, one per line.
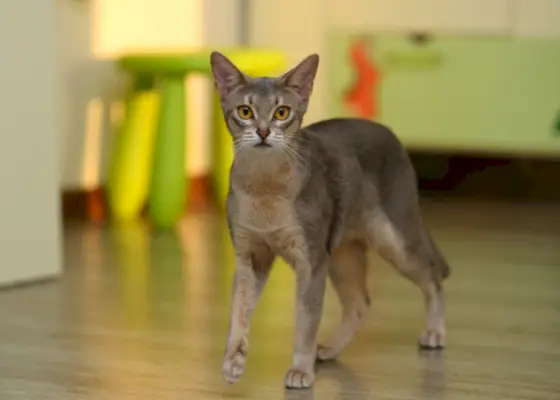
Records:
x=227, y=77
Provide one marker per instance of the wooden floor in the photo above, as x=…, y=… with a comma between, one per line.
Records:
x=141, y=315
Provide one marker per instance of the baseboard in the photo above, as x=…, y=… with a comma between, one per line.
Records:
x=82, y=204
x=18, y=284
x=450, y=177
x=498, y=178
x=91, y=205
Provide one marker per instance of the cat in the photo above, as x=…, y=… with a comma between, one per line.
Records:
x=319, y=197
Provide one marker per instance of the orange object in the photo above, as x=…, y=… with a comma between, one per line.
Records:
x=362, y=97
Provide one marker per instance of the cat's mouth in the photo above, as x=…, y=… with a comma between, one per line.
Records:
x=263, y=144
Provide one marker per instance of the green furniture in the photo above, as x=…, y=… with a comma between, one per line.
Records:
x=156, y=169
x=148, y=159
x=459, y=93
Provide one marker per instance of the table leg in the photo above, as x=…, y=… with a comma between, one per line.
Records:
x=169, y=184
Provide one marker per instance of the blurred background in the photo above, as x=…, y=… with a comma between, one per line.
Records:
x=114, y=163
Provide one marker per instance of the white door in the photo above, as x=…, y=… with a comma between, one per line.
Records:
x=29, y=207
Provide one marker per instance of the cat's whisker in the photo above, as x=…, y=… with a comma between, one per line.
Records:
x=295, y=154
x=238, y=146
x=291, y=151
x=301, y=149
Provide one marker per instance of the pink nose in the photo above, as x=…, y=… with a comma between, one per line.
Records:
x=263, y=134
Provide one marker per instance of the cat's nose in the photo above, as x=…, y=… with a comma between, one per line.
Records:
x=263, y=133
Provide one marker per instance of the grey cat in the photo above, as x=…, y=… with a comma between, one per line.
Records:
x=319, y=197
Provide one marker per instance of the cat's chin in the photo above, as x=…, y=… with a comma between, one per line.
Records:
x=262, y=150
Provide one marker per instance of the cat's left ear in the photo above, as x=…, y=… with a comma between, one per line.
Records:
x=300, y=79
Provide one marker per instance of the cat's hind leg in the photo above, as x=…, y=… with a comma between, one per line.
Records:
x=348, y=274
x=407, y=245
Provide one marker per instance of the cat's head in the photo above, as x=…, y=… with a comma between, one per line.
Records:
x=262, y=112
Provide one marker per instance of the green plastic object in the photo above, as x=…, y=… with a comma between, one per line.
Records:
x=445, y=107
x=169, y=184
x=131, y=161
x=159, y=163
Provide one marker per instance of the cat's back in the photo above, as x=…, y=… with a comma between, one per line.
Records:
x=354, y=134
x=373, y=144
x=369, y=156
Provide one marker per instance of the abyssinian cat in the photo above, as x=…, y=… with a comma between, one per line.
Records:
x=319, y=197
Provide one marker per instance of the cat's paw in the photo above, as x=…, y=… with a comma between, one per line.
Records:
x=299, y=379
x=234, y=362
x=432, y=339
x=326, y=353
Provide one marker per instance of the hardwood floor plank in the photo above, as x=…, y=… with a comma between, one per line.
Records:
x=143, y=315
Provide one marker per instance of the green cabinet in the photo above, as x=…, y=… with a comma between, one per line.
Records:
x=495, y=94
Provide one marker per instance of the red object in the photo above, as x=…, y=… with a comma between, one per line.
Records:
x=362, y=97
x=95, y=206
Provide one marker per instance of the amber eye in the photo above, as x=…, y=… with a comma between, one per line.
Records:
x=244, y=112
x=282, y=113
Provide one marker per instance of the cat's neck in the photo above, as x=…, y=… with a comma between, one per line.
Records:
x=266, y=172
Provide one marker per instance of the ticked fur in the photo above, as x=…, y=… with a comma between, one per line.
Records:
x=319, y=197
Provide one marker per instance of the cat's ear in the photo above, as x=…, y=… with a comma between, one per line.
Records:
x=300, y=79
x=227, y=76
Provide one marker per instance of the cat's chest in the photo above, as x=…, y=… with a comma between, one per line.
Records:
x=265, y=214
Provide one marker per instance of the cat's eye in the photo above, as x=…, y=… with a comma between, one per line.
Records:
x=282, y=113
x=244, y=112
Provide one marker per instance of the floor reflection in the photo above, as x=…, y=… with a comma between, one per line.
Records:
x=143, y=314
x=432, y=371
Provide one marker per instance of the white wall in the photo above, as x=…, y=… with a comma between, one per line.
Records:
x=536, y=18
x=298, y=34
x=305, y=31
x=122, y=26
x=108, y=28
x=473, y=16
x=92, y=35
x=29, y=209
x=87, y=88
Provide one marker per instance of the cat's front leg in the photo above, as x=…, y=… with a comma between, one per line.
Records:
x=311, y=282
x=251, y=274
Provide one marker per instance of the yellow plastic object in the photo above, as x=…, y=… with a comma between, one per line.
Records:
x=164, y=63
x=188, y=60
x=257, y=62
x=254, y=63
x=131, y=169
